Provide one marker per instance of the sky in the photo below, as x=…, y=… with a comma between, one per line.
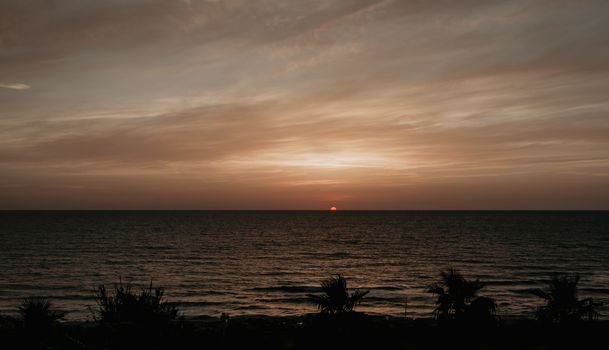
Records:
x=358, y=104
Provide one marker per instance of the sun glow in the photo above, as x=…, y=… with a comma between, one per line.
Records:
x=333, y=209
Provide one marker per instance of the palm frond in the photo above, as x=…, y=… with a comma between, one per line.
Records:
x=562, y=301
x=336, y=298
x=457, y=297
x=540, y=293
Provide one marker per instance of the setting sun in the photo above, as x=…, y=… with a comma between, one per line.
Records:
x=333, y=209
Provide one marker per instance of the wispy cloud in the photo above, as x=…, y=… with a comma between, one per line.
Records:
x=15, y=86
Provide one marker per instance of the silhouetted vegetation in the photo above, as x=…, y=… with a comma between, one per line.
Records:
x=38, y=316
x=144, y=319
x=125, y=305
x=336, y=298
x=457, y=299
x=563, y=303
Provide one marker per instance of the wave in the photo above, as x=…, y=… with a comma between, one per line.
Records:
x=288, y=289
x=510, y=283
x=295, y=300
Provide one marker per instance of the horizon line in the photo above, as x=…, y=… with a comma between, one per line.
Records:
x=310, y=210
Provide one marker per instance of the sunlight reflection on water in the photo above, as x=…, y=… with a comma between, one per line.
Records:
x=266, y=262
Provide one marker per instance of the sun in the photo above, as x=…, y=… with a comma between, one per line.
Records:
x=333, y=209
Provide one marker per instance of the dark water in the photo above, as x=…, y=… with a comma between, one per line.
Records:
x=265, y=262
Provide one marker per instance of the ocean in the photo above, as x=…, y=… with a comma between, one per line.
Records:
x=265, y=262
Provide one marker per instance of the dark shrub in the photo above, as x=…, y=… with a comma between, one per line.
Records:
x=38, y=316
x=125, y=305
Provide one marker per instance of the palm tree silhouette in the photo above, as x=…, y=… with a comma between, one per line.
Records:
x=336, y=298
x=457, y=299
x=563, y=303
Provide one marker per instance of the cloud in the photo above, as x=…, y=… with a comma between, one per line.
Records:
x=16, y=86
x=383, y=103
